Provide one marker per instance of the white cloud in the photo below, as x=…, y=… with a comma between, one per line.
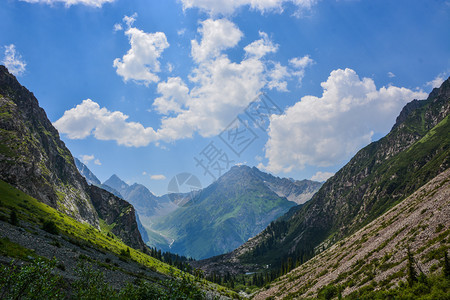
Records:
x=299, y=65
x=174, y=93
x=437, y=81
x=14, y=61
x=217, y=35
x=261, y=47
x=157, y=177
x=328, y=130
x=391, y=75
x=141, y=63
x=321, y=176
x=218, y=90
x=216, y=7
x=169, y=67
x=88, y=119
x=221, y=89
x=278, y=76
x=97, y=162
x=301, y=62
x=117, y=27
x=94, y=3
x=87, y=158
x=144, y=173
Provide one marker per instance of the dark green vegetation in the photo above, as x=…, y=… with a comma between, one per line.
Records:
x=379, y=176
x=224, y=215
x=39, y=280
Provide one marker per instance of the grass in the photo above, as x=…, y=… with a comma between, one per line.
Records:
x=11, y=249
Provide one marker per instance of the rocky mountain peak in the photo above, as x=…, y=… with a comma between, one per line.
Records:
x=35, y=160
x=32, y=156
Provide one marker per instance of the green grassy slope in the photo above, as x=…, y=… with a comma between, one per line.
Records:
x=30, y=210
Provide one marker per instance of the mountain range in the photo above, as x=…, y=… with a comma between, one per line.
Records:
x=224, y=215
x=235, y=214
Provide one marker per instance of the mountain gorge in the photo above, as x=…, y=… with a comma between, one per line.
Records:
x=379, y=176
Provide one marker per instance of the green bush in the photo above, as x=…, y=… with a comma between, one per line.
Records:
x=50, y=227
x=33, y=281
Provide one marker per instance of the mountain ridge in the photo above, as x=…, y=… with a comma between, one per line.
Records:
x=227, y=213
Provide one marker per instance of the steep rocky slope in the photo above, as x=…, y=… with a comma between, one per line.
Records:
x=376, y=178
x=376, y=256
x=112, y=215
x=33, y=158
x=36, y=161
x=114, y=210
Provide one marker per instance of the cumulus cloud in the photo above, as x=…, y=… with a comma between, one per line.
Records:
x=94, y=3
x=175, y=94
x=158, y=177
x=221, y=89
x=141, y=62
x=326, y=130
x=391, y=75
x=97, y=162
x=321, y=176
x=216, y=7
x=14, y=61
x=217, y=91
x=217, y=35
x=278, y=76
x=88, y=119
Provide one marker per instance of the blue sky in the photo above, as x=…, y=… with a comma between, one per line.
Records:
x=144, y=88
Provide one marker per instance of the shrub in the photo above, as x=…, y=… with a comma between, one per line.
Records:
x=50, y=227
x=13, y=219
x=33, y=281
